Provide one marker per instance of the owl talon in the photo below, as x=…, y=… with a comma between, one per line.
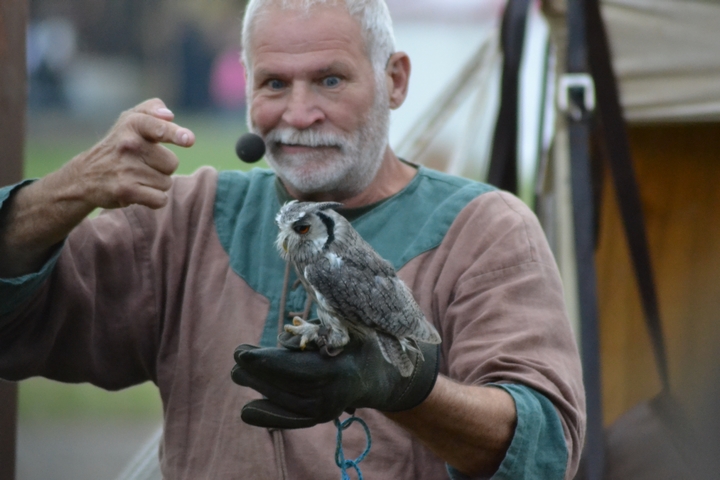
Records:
x=306, y=330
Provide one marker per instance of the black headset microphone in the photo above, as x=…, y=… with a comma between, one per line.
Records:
x=250, y=148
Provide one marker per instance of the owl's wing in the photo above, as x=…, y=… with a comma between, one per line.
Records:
x=366, y=291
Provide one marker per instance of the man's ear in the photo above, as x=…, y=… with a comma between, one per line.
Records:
x=398, y=76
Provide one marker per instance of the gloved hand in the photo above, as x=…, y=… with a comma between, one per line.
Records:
x=304, y=388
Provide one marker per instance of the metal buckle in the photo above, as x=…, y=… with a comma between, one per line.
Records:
x=582, y=81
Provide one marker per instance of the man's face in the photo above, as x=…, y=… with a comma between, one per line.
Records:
x=316, y=101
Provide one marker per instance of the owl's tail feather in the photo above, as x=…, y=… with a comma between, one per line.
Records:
x=426, y=333
x=395, y=354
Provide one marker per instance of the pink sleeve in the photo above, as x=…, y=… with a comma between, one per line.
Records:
x=97, y=317
x=495, y=295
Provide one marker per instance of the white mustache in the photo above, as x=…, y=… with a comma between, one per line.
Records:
x=306, y=138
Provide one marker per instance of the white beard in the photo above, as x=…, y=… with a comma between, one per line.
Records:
x=347, y=168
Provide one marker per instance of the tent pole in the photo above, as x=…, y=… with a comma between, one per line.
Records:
x=576, y=98
x=13, y=97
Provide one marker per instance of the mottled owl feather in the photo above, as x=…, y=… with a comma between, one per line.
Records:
x=355, y=289
x=363, y=295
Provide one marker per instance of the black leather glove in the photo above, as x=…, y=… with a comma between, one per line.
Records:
x=304, y=388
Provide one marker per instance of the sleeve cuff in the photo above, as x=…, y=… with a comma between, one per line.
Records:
x=538, y=448
x=15, y=291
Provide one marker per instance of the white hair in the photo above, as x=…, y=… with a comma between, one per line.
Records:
x=373, y=16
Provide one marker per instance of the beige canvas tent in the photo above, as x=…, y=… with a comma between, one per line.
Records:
x=667, y=60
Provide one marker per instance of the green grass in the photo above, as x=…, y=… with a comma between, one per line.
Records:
x=42, y=399
x=51, y=143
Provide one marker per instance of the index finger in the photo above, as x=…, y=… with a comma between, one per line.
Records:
x=154, y=107
x=161, y=131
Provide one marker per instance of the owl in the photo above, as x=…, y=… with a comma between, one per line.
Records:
x=356, y=291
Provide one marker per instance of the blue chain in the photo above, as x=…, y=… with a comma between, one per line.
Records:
x=340, y=459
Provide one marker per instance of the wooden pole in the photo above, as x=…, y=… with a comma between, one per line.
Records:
x=13, y=99
x=8, y=428
x=13, y=89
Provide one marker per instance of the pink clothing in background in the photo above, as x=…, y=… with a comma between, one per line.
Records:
x=227, y=81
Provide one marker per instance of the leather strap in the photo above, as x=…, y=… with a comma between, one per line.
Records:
x=579, y=115
x=588, y=47
x=619, y=158
x=503, y=159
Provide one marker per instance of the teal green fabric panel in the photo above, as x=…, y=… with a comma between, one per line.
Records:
x=245, y=209
x=16, y=291
x=412, y=222
x=538, y=448
x=417, y=219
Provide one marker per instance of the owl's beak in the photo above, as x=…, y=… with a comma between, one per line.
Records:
x=284, y=245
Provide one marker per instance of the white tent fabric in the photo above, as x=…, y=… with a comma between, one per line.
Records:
x=666, y=52
x=450, y=11
x=667, y=57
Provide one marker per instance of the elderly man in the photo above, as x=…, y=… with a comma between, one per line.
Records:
x=166, y=293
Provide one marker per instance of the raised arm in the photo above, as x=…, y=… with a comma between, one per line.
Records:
x=129, y=166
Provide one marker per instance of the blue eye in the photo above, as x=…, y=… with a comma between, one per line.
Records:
x=276, y=84
x=331, y=81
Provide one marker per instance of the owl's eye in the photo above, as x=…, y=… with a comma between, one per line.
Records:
x=302, y=229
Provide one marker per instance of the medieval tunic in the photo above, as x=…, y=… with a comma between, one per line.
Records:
x=166, y=295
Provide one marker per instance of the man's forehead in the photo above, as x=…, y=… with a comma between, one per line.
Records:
x=313, y=67
x=321, y=29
